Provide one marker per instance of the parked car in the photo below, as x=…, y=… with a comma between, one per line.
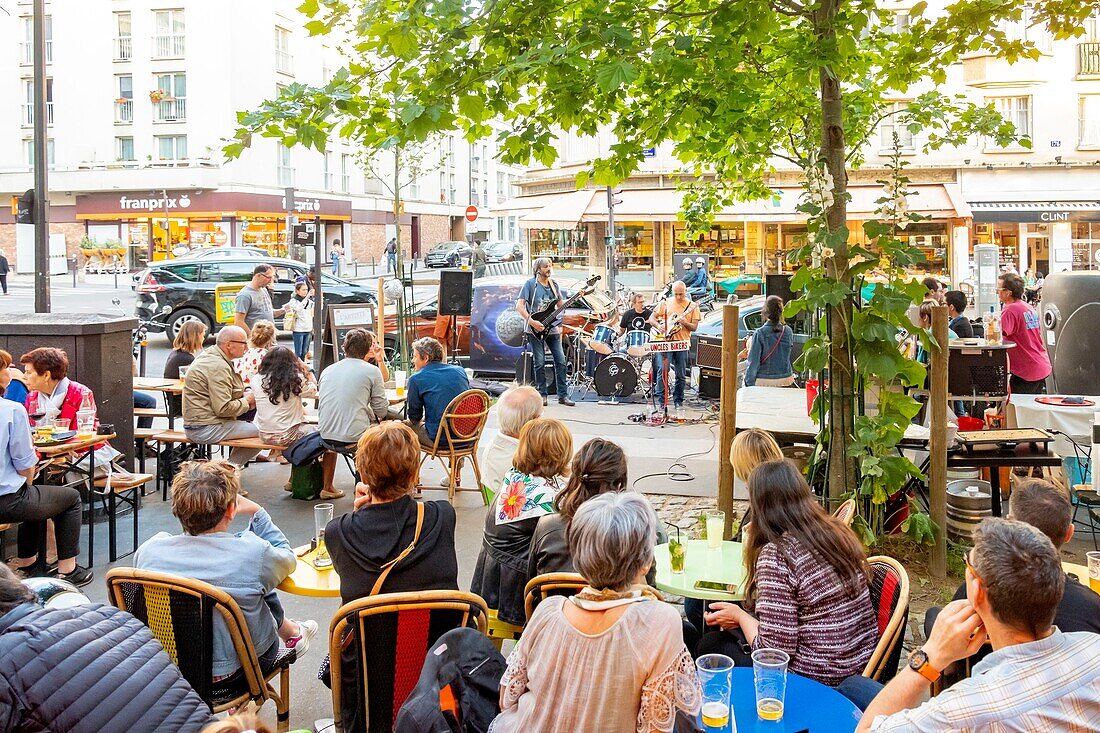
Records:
x=752, y=317
x=448, y=254
x=187, y=287
x=503, y=252
x=236, y=253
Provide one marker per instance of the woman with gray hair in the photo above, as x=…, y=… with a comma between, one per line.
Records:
x=582, y=664
x=515, y=408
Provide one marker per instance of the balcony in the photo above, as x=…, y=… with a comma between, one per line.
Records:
x=124, y=111
x=170, y=110
x=284, y=63
x=124, y=48
x=169, y=46
x=26, y=53
x=28, y=114
x=1088, y=59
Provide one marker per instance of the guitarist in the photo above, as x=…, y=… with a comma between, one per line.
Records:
x=676, y=318
x=538, y=293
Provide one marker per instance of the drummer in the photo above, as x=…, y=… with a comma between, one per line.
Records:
x=637, y=317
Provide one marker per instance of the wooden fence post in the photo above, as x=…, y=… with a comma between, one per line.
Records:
x=937, y=444
x=727, y=414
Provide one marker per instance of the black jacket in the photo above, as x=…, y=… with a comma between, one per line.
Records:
x=550, y=551
x=501, y=573
x=88, y=669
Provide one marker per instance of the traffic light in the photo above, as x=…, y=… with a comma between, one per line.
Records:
x=24, y=208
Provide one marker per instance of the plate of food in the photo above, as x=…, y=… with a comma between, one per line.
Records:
x=41, y=441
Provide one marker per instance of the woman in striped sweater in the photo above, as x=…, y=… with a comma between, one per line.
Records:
x=806, y=588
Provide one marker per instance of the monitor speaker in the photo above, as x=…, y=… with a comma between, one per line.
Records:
x=456, y=292
x=1069, y=312
x=779, y=285
x=709, y=352
x=710, y=383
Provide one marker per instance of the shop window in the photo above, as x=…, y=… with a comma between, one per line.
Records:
x=171, y=147
x=1016, y=110
x=1086, y=245
x=1089, y=121
x=124, y=149
x=895, y=122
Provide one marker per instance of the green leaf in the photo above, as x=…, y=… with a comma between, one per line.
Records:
x=610, y=77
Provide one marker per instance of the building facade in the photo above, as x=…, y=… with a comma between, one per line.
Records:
x=140, y=99
x=1040, y=205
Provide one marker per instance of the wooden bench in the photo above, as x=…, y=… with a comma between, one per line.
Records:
x=150, y=412
x=141, y=437
x=125, y=488
x=167, y=438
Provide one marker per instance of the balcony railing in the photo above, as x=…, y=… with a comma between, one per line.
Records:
x=124, y=48
x=170, y=110
x=26, y=53
x=28, y=114
x=284, y=62
x=124, y=112
x=169, y=46
x=1088, y=59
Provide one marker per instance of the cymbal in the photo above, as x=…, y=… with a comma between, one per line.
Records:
x=578, y=329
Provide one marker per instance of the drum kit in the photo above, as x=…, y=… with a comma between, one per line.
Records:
x=611, y=365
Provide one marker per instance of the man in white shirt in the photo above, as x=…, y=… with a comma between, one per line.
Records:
x=515, y=408
x=1037, y=678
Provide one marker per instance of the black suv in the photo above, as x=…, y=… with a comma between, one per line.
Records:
x=187, y=287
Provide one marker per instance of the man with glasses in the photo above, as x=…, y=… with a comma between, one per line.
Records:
x=1028, y=363
x=214, y=396
x=254, y=300
x=1037, y=678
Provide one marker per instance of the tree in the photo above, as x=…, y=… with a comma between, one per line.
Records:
x=737, y=87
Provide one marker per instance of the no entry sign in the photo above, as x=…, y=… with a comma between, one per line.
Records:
x=471, y=214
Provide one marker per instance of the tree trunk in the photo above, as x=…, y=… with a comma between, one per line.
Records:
x=842, y=471
x=399, y=267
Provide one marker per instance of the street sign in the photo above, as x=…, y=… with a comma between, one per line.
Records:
x=24, y=208
x=471, y=214
x=305, y=234
x=649, y=152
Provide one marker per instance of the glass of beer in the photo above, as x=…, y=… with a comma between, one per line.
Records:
x=676, y=554
x=769, y=673
x=399, y=382
x=322, y=515
x=715, y=673
x=716, y=525
x=1094, y=570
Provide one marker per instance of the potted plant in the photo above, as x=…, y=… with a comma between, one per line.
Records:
x=121, y=100
x=157, y=95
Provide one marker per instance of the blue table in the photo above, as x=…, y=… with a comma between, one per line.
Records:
x=808, y=705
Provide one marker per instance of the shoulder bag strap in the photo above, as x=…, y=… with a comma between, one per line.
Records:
x=412, y=545
x=774, y=347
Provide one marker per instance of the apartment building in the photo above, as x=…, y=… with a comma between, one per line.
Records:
x=141, y=96
x=1040, y=205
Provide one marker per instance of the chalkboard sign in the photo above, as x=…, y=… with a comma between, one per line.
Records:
x=341, y=319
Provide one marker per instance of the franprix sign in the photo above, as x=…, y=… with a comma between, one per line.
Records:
x=303, y=206
x=205, y=204
x=181, y=201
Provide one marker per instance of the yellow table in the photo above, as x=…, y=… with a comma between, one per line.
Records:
x=159, y=384
x=701, y=562
x=1081, y=571
x=307, y=580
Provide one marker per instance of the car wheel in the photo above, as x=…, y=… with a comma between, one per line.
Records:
x=182, y=316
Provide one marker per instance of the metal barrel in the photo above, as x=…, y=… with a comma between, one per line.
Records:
x=968, y=503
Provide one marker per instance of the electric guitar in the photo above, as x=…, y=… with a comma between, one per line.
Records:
x=674, y=325
x=547, y=315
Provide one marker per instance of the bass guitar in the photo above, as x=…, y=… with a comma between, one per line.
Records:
x=547, y=315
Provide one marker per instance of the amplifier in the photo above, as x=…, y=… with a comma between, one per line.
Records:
x=710, y=383
x=709, y=352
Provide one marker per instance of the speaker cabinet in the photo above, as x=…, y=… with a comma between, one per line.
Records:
x=779, y=284
x=710, y=383
x=456, y=292
x=709, y=352
x=1070, y=312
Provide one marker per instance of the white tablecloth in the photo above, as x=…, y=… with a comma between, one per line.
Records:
x=1024, y=412
x=783, y=409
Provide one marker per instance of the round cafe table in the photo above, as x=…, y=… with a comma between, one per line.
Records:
x=807, y=706
x=307, y=580
x=1081, y=571
x=701, y=562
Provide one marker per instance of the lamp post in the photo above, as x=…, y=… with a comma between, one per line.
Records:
x=41, y=161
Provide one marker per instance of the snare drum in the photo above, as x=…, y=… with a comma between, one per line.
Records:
x=636, y=342
x=603, y=340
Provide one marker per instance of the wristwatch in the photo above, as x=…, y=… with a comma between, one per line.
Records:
x=918, y=662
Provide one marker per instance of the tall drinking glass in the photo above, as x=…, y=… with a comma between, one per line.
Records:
x=322, y=515
x=716, y=525
x=769, y=673
x=399, y=378
x=1094, y=570
x=716, y=679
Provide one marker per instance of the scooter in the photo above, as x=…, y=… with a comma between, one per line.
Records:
x=705, y=302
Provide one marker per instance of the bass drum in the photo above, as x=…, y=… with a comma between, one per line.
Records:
x=615, y=376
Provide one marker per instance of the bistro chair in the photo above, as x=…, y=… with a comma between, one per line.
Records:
x=460, y=430
x=180, y=612
x=846, y=512
x=543, y=586
x=377, y=647
x=890, y=598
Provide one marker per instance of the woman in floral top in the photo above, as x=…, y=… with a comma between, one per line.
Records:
x=608, y=659
x=260, y=339
x=527, y=493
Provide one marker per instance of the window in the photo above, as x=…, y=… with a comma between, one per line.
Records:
x=168, y=41
x=450, y=152
x=172, y=103
x=26, y=45
x=901, y=21
x=124, y=101
x=500, y=187
x=228, y=272
x=28, y=147
x=187, y=273
x=895, y=122
x=1089, y=121
x=124, y=148
x=283, y=167
x=328, y=181
x=452, y=192
x=1016, y=110
x=345, y=172
x=1028, y=29
x=28, y=102
x=442, y=188
x=485, y=159
x=171, y=147
x=124, y=47
x=284, y=62
x=413, y=191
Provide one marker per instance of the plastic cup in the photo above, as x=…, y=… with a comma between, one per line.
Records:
x=1094, y=570
x=769, y=673
x=716, y=525
x=715, y=672
x=183, y=372
x=399, y=382
x=322, y=515
x=677, y=552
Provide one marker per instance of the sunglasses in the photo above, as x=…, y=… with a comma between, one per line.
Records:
x=242, y=343
x=970, y=566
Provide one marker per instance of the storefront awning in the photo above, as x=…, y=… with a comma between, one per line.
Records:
x=1035, y=211
x=560, y=211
